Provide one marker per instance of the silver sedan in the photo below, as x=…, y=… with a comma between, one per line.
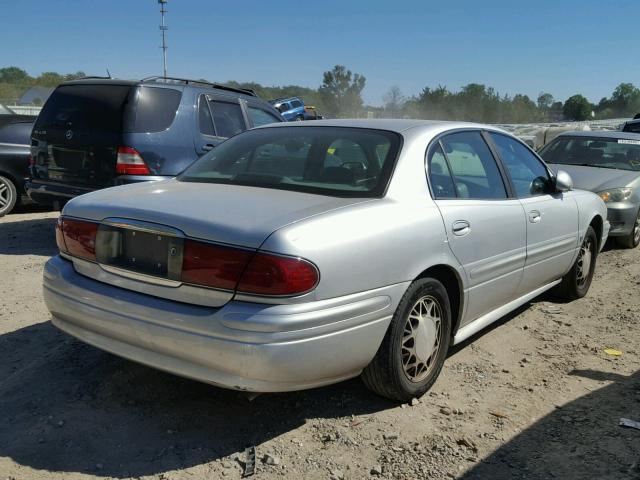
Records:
x=607, y=163
x=295, y=256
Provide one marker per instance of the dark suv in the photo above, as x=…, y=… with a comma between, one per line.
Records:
x=99, y=132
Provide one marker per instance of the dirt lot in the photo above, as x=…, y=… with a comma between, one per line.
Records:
x=533, y=397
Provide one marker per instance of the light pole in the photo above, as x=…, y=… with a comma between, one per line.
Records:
x=163, y=29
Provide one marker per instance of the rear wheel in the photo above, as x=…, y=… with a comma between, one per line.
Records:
x=575, y=284
x=299, y=118
x=415, y=346
x=633, y=239
x=8, y=196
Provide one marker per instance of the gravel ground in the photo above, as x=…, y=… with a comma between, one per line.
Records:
x=534, y=397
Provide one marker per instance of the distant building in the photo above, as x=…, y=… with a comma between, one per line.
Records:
x=35, y=96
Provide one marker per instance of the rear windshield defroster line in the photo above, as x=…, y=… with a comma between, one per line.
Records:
x=334, y=161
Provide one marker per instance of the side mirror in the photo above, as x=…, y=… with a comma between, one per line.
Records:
x=563, y=181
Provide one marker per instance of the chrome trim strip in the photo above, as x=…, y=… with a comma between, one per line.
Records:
x=165, y=282
x=141, y=226
x=2, y=144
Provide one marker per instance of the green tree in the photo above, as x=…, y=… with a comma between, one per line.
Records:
x=545, y=100
x=14, y=75
x=625, y=99
x=393, y=102
x=341, y=92
x=49, y=79
x=577, y=107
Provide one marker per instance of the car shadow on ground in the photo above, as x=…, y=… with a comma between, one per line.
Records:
x=581, y=439
x=25, y=237
x=68, y=407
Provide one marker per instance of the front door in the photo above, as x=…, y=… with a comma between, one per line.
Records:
x=551, y=217
x=486, y=230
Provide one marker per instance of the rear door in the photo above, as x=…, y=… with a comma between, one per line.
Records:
x=219, y=118
x=552, y=218
x=76, y=136
x=485, y=227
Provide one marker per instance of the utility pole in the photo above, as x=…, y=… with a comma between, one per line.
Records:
x=163, y=29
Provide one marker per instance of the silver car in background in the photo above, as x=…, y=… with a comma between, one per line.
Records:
x=295, y=256
x=607, y=163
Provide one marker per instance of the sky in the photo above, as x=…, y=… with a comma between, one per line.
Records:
x=561, y=47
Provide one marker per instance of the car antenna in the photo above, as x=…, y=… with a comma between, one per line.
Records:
x=108, y=72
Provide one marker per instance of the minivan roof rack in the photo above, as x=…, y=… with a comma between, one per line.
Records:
x=187, y=81
x=89, y=77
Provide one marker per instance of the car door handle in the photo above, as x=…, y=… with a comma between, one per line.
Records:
x=208, y=147
x=535, y=216
x=461, y=227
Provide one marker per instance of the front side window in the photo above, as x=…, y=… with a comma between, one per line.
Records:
x=473, y=167
x=261, y=117
x=599, y=152
x=324, y=160
x=528, y=174
x=227, y=118
x=296, y=104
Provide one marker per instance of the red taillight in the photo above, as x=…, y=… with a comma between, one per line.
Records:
x=130, y=162
x=235, y=269
x=213, y=265
x=78, y=238
x=60, y=237
x=269, y=274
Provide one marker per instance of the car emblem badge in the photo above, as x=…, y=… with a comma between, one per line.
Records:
x=68, y=134
x=173, y=251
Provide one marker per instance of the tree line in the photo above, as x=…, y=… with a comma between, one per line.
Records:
x=340, y=95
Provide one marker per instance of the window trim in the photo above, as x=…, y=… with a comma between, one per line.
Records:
x=550, y=174
x=506, y=181
x=206, y=100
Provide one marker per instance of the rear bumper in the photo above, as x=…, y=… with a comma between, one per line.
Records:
x=243, y=346
x=49, y=192
x=622, y=217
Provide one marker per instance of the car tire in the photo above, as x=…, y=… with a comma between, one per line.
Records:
x=8, y=195
x=299, y=118
x=575, y=284
x=633, y=239
x=415, y=346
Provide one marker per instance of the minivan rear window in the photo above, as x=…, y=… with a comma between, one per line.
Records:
x=335, y=161
x=96, y=107
x=154, y=109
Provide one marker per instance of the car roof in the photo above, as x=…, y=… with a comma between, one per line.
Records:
x=603, y=134
x=393, y=125
x=165, y=83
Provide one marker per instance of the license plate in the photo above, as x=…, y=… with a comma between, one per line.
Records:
x=138, y=251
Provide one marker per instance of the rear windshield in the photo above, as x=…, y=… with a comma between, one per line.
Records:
x=618, y=153
x=85, y=107
x=346, y=162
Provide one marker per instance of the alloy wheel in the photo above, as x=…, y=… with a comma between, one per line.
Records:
x=421, y=338
x=636, y=230
x=6, y=195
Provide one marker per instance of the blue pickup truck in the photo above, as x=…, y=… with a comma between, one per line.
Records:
x=293, y=109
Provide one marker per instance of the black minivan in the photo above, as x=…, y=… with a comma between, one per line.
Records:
x=99, y=132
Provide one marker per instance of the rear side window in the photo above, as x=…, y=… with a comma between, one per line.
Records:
x=440, y=175
x=85, y=107
x=227, y=118
x=632, y=127
x=474, y=169
x=204, y=117
x=296, y=104
x=261, y=117
x=154, y=110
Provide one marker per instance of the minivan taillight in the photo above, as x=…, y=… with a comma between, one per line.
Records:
x=77, y=238
x=245, y=271
x=129, y=162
